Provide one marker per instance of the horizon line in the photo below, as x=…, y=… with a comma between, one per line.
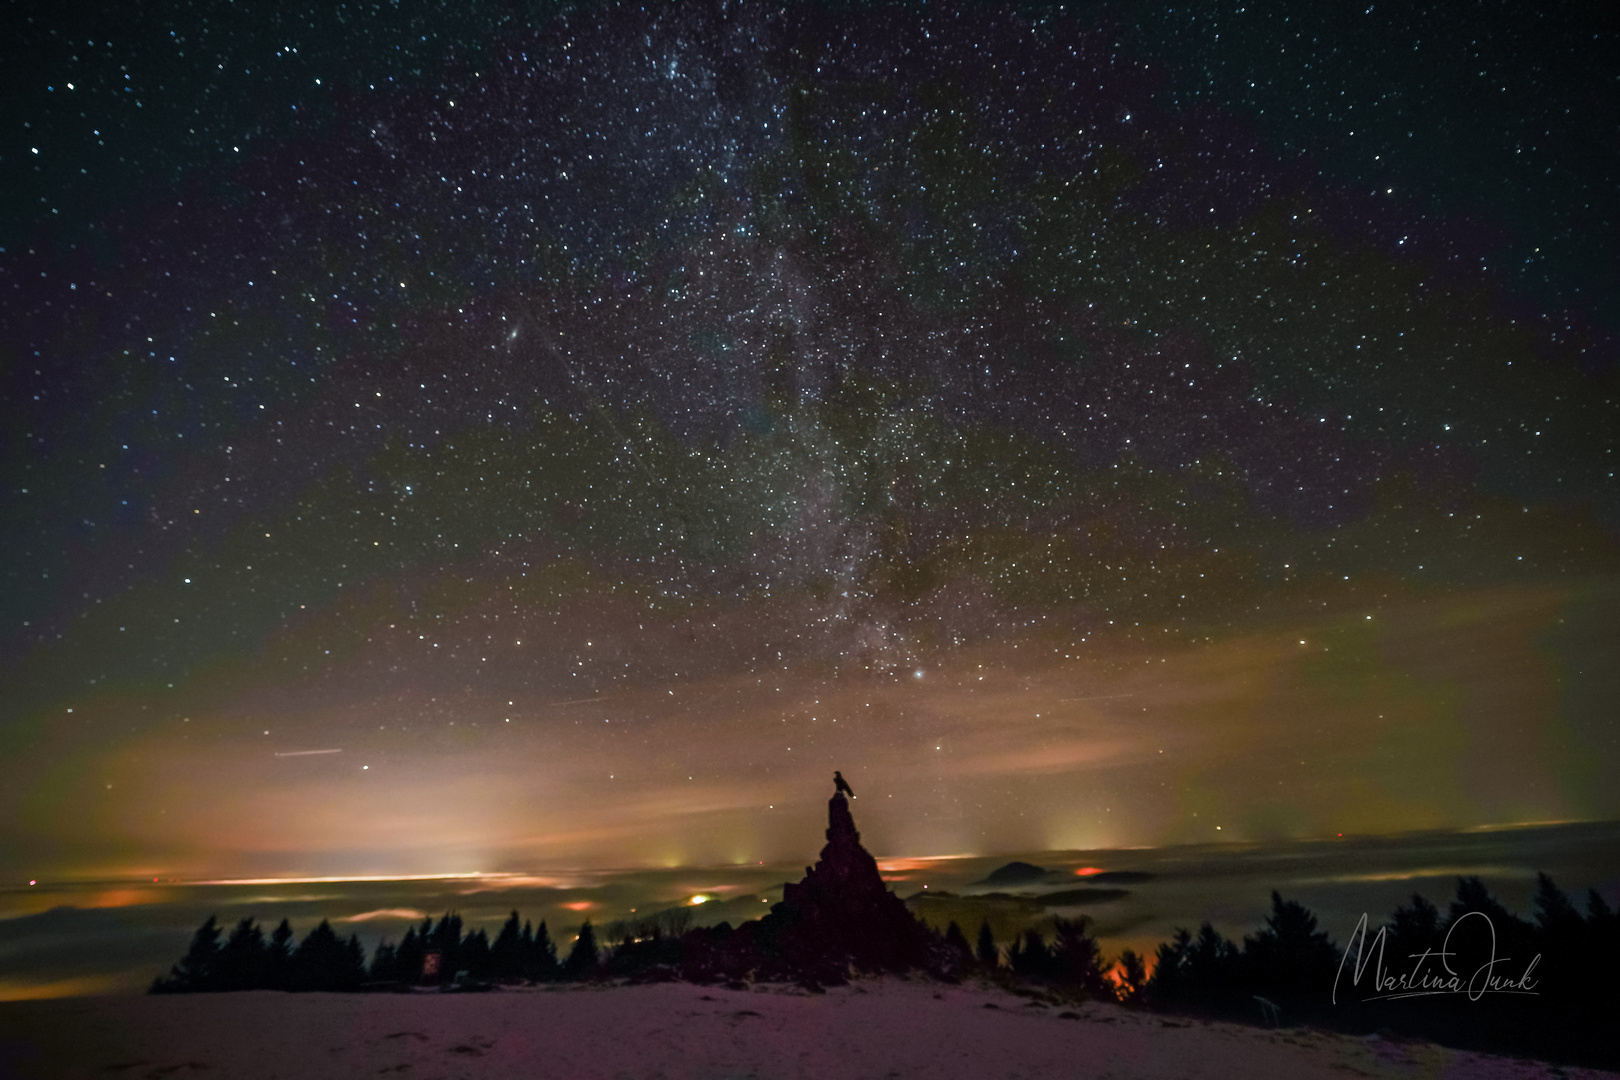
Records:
x=72, y=880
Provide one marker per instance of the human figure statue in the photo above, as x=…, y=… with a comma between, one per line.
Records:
x=840, y=784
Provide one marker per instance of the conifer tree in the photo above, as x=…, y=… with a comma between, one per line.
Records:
x=1029, y=957
x=1501, y=931
x=989, y=954
x=1076, y=959
x=474, y=958
x=584, y=957
x=1189, y=971
x=445, y=939
x=409, y=955
x=278, y=957
x=198, y=969
x=385, y=963
x=506, y=954
x=526, y=947
x=1289, y=959
x=1555, y=914
x=1412, y=928
x=1169, y=984
x=1132, y=979
x=354, y=964
x=323, y=961
x=1212, y=967
x=958, y=941
x=541, y=965
x=241, y=964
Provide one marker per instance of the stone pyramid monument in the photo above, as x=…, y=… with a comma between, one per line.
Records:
x=842, y=910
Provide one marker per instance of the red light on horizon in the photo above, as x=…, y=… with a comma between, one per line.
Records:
x=1087, y=871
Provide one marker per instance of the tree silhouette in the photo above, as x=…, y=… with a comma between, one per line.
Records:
x=385, y=963
x=354, y=964
x=1076, y=959
x=1132, y=979
x=323, y=961
x=475, y=956
x=1201, y=973
x=584, y=957
x=1028, y=956
x=445, y=939
x=278, y=957
x=1514, y=938
x=958, y=941
x=1554, y=913
x=1213, y=964
x=1290, y=959
x=540, y=956
x=506, y=954
x=988, y=953
x=644, y=954
x=410, y=953
x=1169, y=985
x=1412, y=928
x=242, y=963
x=198, y=968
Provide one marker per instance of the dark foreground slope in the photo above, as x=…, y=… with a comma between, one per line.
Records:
x=871, y=1028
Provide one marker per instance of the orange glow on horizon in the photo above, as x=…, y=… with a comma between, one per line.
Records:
x=1209, y=714
x=82, y=986
x=921, y=862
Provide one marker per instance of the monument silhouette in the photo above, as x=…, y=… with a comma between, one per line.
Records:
x=842, y=912
x=840, y=917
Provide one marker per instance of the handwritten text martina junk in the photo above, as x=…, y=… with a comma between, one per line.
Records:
x=1431, y=971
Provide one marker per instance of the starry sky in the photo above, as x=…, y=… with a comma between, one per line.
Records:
x=498, y=436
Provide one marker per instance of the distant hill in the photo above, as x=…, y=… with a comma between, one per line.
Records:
x=1015, y=873
x=1023, y=873
x=1029, y=902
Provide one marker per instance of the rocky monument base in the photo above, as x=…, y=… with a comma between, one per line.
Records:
x=841, y=917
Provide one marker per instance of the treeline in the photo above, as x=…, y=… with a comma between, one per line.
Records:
x=1543, y=986
x=433, y=954
x=1289, y=972
x=247, y=960
x=441, y=954
x=1071, y=959
x=444, y=953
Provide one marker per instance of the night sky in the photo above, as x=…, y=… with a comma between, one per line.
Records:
x=500, y=436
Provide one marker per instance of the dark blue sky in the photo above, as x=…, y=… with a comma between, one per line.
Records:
x=904, y=327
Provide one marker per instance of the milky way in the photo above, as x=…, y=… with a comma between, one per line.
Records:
x=478, y=439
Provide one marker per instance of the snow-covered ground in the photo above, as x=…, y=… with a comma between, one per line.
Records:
x=875, y=1028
